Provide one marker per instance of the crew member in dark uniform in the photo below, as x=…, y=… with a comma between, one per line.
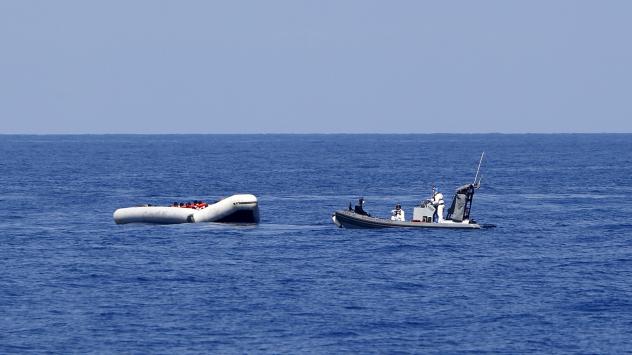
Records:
x=359, y=208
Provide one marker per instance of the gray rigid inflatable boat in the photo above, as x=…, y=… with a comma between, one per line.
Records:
x=423, y=215
x=350, y=219
x=429, y=214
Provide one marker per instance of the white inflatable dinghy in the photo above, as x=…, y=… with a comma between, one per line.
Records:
x=233, y=209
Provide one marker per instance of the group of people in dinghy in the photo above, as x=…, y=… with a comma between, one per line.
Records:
x=196, y=205
x=398, y=213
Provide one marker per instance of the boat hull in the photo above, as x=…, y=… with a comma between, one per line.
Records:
x=234, y=209
x=350, y=219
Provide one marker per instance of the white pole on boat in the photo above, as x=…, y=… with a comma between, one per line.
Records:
x=479, y=168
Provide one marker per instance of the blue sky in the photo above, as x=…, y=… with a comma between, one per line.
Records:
x=315, y=66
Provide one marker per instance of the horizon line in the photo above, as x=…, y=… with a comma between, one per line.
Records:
x=307, y=133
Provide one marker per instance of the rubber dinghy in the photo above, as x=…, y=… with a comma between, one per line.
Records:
x=234, y=209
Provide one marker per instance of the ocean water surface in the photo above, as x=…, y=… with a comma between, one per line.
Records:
x=555, y=276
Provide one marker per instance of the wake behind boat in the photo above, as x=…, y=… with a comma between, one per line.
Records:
x=429, y=214
x=234, y=209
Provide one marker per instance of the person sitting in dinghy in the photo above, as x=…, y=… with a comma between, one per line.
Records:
x=398, y=213
x=359, y=208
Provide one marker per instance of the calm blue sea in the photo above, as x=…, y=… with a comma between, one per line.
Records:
x=555, y=276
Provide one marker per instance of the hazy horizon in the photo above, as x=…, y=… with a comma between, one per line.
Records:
x=319, y=134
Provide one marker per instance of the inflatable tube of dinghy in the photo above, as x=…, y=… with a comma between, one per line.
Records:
x=236, y=209
x=152, y=214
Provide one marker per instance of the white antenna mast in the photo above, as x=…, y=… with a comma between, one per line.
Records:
x=479, y=168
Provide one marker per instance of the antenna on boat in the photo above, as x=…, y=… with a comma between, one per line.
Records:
x=478, y=170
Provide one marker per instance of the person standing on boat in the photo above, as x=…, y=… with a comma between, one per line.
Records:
x=439, y=204
x=398, y=213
